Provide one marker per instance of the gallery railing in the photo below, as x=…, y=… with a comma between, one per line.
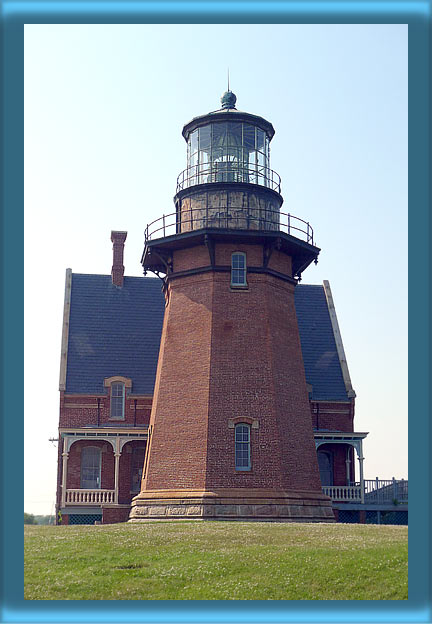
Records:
x=229, y=217
x=228, y=172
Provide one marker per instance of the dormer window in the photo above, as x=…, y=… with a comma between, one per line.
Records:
x=117, y=387
x=117, y=401
x=238, y=270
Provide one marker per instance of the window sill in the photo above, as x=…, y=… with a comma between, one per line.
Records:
x=238, y=288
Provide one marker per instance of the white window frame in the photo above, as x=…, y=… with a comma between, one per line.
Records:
x=239, y=447
x=114, y=400
x=239, y=282
x=84, y=451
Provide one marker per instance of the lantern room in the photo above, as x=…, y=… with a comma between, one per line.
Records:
x=228, y=146
x=228, y=182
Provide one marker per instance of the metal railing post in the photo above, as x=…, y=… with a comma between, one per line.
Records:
x=163, y=221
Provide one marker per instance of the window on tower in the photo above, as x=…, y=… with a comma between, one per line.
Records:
x=238, y=269
x=242, y=447
x=117, y=401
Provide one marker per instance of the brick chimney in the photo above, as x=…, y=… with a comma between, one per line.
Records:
x=117, y=271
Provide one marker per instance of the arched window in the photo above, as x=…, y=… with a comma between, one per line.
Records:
x=238, y=269
x=117, y=400
x=242, y=447
x=91, y=467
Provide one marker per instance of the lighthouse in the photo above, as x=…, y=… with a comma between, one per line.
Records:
x=230, y=434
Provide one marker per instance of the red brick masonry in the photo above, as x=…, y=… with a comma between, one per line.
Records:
x=231, y=354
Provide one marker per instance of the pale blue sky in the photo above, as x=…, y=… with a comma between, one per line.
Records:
x=104, y=109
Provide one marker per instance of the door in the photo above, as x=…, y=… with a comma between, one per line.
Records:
x=325, y=464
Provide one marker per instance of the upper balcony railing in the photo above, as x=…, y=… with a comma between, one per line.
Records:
x=228, y=172
x=229, y=217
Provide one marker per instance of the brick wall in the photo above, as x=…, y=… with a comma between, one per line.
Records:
x=333, y=416
x=179, y=435
x=112, y=515
x=80, y=410
x=125, y=471
x=228, y=354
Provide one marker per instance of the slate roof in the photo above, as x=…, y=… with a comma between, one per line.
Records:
x=116, y=331
x=113, y=331
x=320, y=357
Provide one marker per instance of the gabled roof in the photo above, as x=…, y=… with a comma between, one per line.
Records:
x=116, y=331
x=113, y=331
x=320, y=356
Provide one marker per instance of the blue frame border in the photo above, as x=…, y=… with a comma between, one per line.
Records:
x=415, y=13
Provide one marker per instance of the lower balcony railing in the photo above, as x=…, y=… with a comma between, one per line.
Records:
x=376, y=492
x=351, y=493
x=86, y=497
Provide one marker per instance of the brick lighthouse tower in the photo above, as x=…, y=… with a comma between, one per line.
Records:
x=230, y=433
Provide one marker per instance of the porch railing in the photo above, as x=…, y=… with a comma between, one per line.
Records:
x=86, y=497
x=386, y=491
x=376, y=492
x=346, y=493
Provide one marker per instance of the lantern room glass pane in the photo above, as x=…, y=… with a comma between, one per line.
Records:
x=234, y=135
x=249, y=136
x=219, y=135
x=228, y=152
x=260, y=140
x=205, y=138
x=194, y=141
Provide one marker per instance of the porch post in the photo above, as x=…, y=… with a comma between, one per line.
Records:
x=65, y=456
x=347, y=463
x=116, y=471
x=361, y=458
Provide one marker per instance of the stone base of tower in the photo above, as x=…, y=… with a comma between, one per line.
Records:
x=232, y=504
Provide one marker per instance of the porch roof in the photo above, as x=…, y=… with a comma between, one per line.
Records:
x=338, y=436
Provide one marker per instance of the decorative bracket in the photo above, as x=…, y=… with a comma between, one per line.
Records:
x=267, y=252
x=166, y=260
x=209, y=243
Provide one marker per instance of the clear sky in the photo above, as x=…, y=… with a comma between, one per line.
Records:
x=104, y=110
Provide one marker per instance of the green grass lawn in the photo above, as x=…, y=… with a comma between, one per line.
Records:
x=216, y=561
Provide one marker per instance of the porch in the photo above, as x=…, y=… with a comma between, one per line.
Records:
x=370, y=492
x=91, y=473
